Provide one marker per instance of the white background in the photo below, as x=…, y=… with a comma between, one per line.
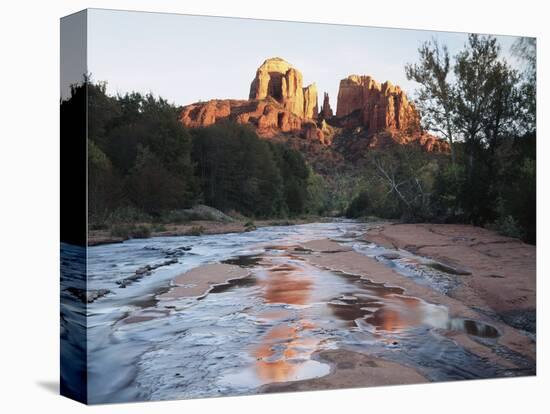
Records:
x=29, y=194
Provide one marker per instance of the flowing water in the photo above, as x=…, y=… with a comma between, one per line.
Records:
x=260, y=329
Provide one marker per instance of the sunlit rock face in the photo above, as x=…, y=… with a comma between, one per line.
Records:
x=277, y=104
x=276, y=78
x=267, y=116
x=376, y=106
x=203, y=114
x=384, y=113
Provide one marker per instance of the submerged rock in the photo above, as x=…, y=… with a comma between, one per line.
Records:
x=390, y=256
x=88, y=296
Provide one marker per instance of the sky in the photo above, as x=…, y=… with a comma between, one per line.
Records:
x=186, y=58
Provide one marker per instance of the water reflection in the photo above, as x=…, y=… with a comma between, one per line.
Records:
x=387, y=310
x=287, y=284
x=285, y=350
x=301, y=312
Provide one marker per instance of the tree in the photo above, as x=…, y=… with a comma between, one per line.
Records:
x=500, y=117
x=237, y=170
x=474, y=69
x=525, y=48
x=436, y=94
x=491, y=115
x=104, y=184
x=407, y=175
x=153, y=188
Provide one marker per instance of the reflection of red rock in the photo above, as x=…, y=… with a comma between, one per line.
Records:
x=287, y=285
x=405, y=312
x=284, y=286
x=280, y=369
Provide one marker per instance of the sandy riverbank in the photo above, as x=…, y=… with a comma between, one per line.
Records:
x=502, y=270
x=99, y=237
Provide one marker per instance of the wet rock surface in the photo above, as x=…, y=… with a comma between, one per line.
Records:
x=287, y=308
x=495, y=272
x=521, y=319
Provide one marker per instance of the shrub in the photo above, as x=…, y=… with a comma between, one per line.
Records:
x=121, y=230
x=127, y=215
x=359, y=206
x=507, y=226
x=159, y=227
x=195, y=231
x=249, y=226
x=140, y=231
x=130, y=231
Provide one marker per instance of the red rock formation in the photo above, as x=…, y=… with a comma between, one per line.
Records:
x=268, y=116
x=385, y=112
x=279, y=105
x=310, y=102
x=326, y=110
x=278, y=79
x=364, y=102
x=312, y=133
x=205, y=114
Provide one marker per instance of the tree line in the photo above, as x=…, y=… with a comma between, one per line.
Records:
x=143, y=164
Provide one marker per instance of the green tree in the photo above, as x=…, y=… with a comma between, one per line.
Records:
x=104, y=185
x=152, y=187
x=436, y=94
x=525, y=48
x=237, y=170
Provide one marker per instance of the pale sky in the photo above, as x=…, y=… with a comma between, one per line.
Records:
x=189, y=58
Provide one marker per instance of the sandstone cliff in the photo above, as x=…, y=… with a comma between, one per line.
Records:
x=278, y=79
x=383, y=113
x=364, y=102
x=268, y=116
